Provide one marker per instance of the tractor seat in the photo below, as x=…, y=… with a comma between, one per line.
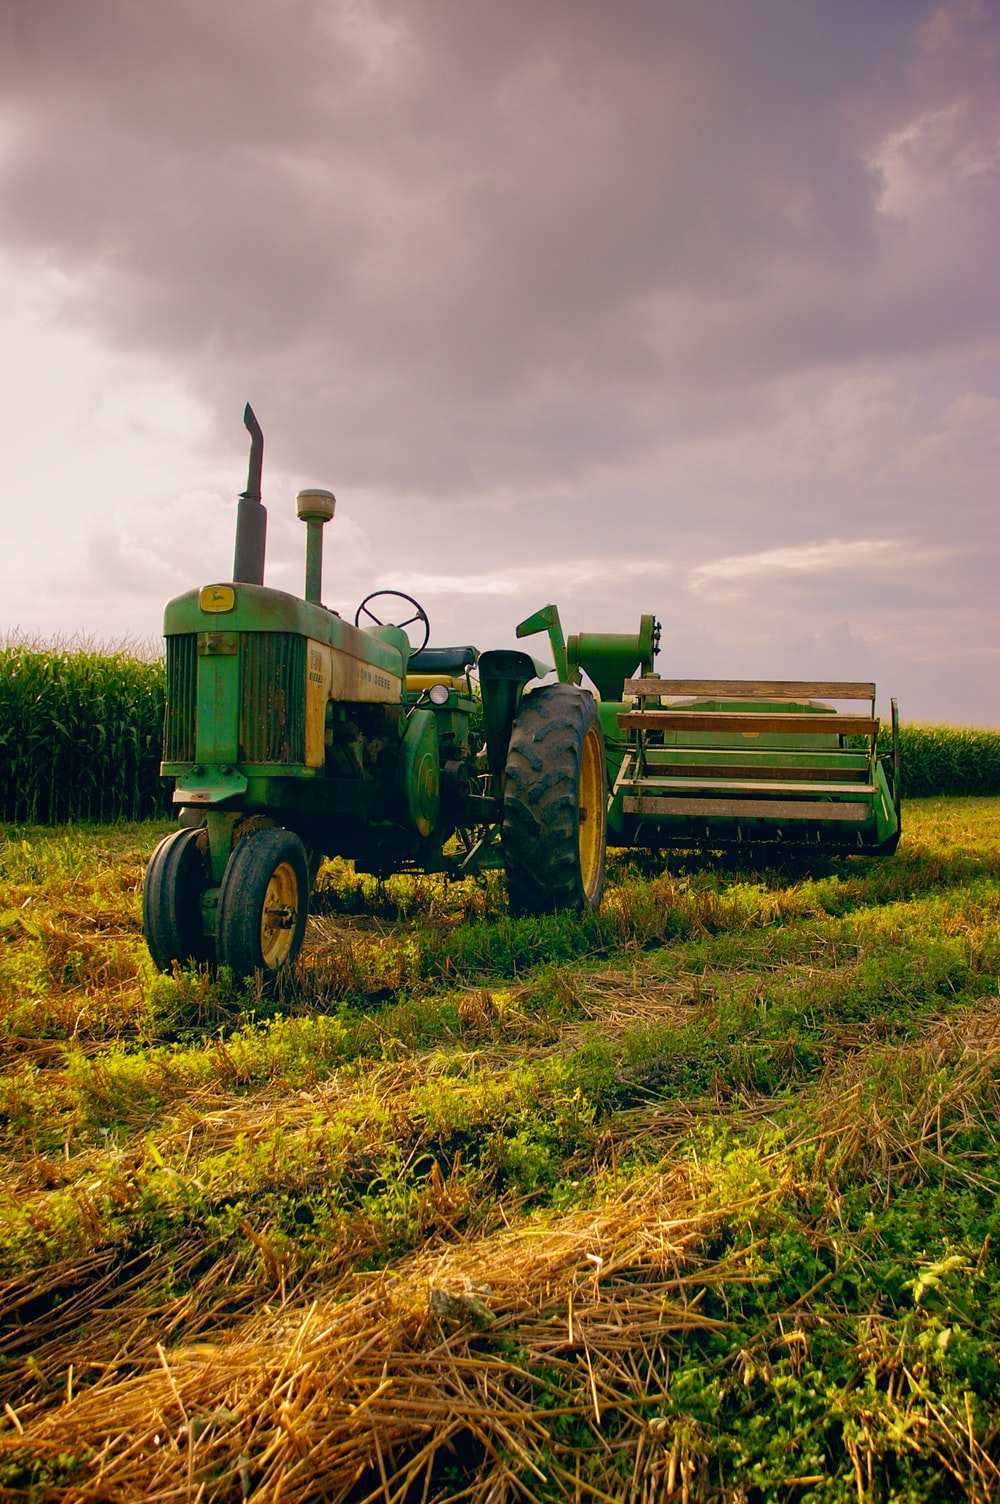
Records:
x=440, y=666
x=441, y=660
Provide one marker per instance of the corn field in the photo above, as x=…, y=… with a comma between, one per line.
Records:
x=80, y=735
x=946, y=760
x=81, y=732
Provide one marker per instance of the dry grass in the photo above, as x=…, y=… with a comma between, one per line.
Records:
x=899, y=1111
x=386, y=1379
x=712, y=1241
x=511, y=1361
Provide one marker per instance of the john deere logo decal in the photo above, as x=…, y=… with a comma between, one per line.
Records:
x=217, y=598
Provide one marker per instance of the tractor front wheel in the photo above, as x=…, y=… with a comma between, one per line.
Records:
x=555, y=803
x=176, y=879
x=263, y=902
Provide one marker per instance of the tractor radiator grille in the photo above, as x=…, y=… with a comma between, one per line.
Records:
x=273, y=697
x=182, y=674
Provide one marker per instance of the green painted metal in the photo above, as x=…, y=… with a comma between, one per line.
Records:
x=221, y=824
x=503, y=675
x=607, y=658
x=707, y=789
x=217, y=728
x=418, y=781
x=547, y=620
x=258, y=608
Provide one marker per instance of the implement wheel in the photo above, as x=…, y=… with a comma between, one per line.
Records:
x=263, y=902
x=176, y=879
x=555, y=803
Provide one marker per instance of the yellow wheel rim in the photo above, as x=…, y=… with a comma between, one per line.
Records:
x=593, y=814
x=279, y=916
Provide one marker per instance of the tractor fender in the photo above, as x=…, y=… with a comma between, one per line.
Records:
x=503, y=674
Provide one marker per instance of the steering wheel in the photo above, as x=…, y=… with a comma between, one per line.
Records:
x=419, y=615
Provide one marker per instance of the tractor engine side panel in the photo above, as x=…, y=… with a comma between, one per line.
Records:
x=336, y=675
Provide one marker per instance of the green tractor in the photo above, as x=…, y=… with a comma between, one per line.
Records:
x=292, y=734
x=732, y=764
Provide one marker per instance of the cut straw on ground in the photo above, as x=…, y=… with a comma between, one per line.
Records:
x=481, y=1357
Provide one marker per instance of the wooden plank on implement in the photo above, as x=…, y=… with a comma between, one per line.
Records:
x=747, y=786
x=747, y=722
x=753, y=689
x=807, y=772
x=748, y=809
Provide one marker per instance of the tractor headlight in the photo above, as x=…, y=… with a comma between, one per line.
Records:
x=438, y=694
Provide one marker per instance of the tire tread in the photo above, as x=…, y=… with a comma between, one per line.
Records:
x=541, y=819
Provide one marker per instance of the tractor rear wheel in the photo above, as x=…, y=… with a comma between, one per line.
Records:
x=555, y=803
x=176, y=879
x=263, y=902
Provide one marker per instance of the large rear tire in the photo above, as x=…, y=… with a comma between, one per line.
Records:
x=263, y=902
x=176, y=879
x=555, y=803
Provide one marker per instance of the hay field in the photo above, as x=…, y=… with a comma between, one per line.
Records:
x=696, y=1200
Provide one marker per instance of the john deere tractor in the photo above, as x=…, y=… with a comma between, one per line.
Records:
x=292, y=734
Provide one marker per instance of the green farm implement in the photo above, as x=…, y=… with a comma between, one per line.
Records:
x=716, y=764
x=292, y=734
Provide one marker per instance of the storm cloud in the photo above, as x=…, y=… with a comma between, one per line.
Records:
x=687, y=306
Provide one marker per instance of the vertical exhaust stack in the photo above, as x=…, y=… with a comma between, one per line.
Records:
x=315, y=506
x=251, y=517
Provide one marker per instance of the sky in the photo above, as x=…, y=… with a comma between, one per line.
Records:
x=688, y=307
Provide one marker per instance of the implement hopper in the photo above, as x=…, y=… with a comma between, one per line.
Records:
x=716, y=764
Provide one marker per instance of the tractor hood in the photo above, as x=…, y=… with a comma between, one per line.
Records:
x=231, y=608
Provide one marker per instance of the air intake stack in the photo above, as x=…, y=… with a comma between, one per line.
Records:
x=315, y=506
